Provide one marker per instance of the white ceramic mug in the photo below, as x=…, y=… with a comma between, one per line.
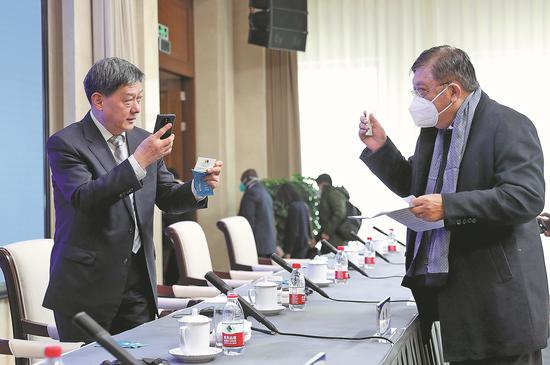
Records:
x=317, y=271
x=265, y=295
x=194, y=333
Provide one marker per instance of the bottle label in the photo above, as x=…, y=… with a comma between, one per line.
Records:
x=392, y=248
x=369, y=260
x=297, y=299
x=341, y=274
x=233, y=335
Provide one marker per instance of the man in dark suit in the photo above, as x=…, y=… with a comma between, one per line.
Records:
x=478, y=166
x=257, y=208
x=107, y=176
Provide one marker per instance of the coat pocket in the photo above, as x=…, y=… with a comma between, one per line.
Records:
x=79, y=255
x=500, y=262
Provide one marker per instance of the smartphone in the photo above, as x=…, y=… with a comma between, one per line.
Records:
x=162, y=120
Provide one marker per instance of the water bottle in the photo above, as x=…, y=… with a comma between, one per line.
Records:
x=232, y=326
x=369, y=254
x=341, y=270
x=296, y=289
x=53, y=355
x=392, y=243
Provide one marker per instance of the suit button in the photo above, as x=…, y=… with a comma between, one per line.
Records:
x=474, y=220
x=125, y=261
x=458, y=222
x=131, y=190
x=469, y=220
x=131, y=230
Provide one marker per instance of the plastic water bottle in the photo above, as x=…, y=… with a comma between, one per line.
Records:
x=296, y=289
x=53, y=355
x=233, y=326
x=369, y=254
x=341, y=270
x=392, y=243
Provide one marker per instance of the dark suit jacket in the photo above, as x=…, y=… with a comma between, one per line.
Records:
x=94, y=230
x=257, y=208
x=496, y=300
x=297, y=230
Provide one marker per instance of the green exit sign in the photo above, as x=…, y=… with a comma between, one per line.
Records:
x=163, y=31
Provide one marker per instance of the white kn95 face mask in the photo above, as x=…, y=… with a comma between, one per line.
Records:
x=423, y=112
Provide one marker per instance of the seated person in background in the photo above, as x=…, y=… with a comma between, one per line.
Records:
x=297, y=232
x=544, y=223
x=257, y=208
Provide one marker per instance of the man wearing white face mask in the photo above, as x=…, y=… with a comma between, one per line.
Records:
x=477, y=165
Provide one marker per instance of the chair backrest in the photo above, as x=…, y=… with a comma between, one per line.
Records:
x=26, y=268
x=191, y=250
x=241, y=245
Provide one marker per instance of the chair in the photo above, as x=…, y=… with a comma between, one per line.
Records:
x=241, y=245
x=193, y=256
x=32, y=349
x=26, y=268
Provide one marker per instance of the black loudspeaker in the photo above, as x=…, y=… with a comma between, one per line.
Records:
x=278, y=24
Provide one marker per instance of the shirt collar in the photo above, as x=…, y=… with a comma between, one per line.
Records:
x=104, y=132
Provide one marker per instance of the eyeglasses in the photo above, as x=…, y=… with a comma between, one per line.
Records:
x=422, y=93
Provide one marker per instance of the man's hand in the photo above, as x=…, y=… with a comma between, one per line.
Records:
x=378, y=137
x=153, y=148
x=544, y=219
x=325, y=236
x=213, y=177
x=428, y=207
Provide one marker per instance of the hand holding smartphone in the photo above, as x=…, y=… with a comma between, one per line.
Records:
x=162, y=120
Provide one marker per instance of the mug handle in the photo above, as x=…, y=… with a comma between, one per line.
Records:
x=183, y=331
x=252, y=290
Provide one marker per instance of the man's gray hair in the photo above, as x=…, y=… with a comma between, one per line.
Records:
x=108, y=74
x=448, y=64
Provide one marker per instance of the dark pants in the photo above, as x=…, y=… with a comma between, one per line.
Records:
x=533, y=358
x=135, y=309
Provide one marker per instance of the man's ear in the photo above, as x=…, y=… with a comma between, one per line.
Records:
x=456, y=91
x=97, y=100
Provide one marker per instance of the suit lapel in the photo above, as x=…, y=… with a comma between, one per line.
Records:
x=98, y=146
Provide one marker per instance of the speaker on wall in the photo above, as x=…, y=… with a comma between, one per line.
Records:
x=278, y=24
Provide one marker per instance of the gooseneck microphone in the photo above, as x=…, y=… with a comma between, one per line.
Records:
x=385, y=234
x=356, y=236
x=282, y=263
x=352, y=264
x=93, y=330
x=248, y=309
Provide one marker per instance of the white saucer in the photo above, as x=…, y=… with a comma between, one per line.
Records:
x=323, y=283
x=195, y=358
x=271, y=311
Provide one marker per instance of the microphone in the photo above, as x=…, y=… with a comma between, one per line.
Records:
x=92, y=329
x=356, y=236
x=385, y=234
x=282, y=263
x=329, y=245
x=248, y=309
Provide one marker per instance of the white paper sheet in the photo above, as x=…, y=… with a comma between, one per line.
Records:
x=404, y=216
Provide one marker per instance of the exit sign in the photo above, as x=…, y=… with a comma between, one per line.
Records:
x=164, y=33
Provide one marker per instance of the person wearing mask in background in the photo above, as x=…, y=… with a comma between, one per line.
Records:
x=297, y=234
x=478, y=167
x=544, y=223
x=107, y=176
x=257, y=208
x=332, y=211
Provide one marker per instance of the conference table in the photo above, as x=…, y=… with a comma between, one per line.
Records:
x=321, y=317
